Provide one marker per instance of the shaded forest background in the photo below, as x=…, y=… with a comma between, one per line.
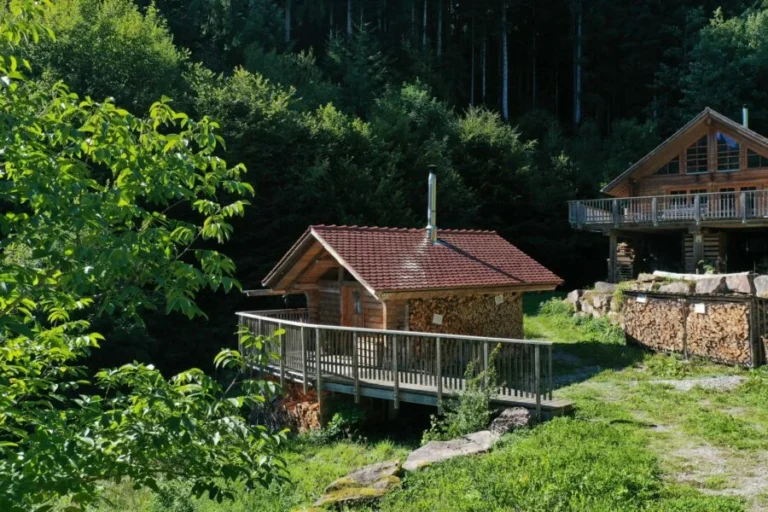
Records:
x=338, y=108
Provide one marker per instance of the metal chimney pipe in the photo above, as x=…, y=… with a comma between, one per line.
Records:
x=744, y=117
x=432, y=208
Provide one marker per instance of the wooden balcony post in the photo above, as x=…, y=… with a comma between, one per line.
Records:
x=697, y=208
x=304, y=358
x=743, y=200
x=615, y=206
x=698, y=249
x=355, y=369
x=655, y=211
x=439, y=376
x=395, y=377
x=612, y=256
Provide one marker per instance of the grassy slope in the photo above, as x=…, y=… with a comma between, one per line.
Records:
x=632, y=445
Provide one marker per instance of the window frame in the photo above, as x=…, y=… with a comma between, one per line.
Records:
x=730, y=153
x=698, y=156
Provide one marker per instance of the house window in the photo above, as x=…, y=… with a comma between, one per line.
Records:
x=727, y=202
x=357, y=300
x=680, y=199
x=727, y=153
x=671, y=167
x=696, y=157
x=703, y=199
x=755, y=160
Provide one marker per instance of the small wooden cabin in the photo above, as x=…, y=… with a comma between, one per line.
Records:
x=453, y=281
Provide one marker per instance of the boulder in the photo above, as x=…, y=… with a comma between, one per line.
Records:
x=741, y=283
x=364, y=484
x=642, y=287
x=510, y=419
x=574, y=297
x=603, y=287
x=645, y=278
x=678, y=287
x=761, y=286
x=437, y=451
x=711, y=285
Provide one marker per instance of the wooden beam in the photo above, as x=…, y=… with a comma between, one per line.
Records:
x=444, y=292
x=612, y=256
x=266, y=292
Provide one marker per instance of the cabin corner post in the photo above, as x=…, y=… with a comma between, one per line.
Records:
x=698, y=248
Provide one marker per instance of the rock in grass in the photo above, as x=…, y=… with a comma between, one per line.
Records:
x=603, y=287
x=510, y=419
x=437, y=451
x=367, y=483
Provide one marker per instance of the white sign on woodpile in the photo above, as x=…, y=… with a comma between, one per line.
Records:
x=642, y=299
x=437, y=319
x=499, y=299
x=700, y=308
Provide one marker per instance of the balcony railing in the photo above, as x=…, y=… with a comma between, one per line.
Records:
x=744, y=206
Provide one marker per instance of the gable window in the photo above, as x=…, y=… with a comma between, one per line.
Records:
x=671, y=167
x=727, y=153
x=755, y=160
x=696, y=157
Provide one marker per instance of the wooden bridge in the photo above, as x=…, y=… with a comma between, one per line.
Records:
x=417, y=367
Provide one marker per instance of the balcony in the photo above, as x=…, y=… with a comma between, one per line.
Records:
x=672, y=211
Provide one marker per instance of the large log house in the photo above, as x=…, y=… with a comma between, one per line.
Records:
x=698, y=199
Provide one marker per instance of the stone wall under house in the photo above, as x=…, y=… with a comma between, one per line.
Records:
x=495, y=315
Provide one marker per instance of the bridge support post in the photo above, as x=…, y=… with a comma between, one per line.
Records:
x=318, y=374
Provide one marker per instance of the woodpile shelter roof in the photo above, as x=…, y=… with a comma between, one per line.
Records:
x=400, y=260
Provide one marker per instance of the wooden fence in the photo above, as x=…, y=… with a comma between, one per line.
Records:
x=402, y=360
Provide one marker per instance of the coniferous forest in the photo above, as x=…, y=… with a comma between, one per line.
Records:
x=339, y=107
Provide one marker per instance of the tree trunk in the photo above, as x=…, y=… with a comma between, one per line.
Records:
x=504, y=66
x=484, y=65
x=349, y=18
x=472, y=72
x=533, y=70
x=424, y=27
x=287, y=21
x=577, y=64
x=439, y=28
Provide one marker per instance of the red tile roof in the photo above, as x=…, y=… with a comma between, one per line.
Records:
x=399, y=259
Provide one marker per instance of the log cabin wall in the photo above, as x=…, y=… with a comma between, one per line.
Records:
x=496, y=315
x=329, y=304
x=714, y=249
x=373, y=311
x=397, y=311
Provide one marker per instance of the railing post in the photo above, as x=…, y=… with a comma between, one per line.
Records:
x=281, y=343
x=697, y=208
x=655, y=211
x=551, y=383
x=304, y=358
x=743, y=199
x=485, y=363
x=318, y=372
x=355, y=370
x=615, y=206
x=439, y=377
x=537, y=383
x=395, y=378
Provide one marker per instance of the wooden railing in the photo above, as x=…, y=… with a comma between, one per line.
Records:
x=657, y=210
x=403, y=360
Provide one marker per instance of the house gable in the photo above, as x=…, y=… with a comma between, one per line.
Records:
x=700, y=153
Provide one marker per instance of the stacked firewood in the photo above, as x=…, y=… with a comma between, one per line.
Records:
x=720, y=332
x=479, y=315
x=655, y=323
x=302, y=409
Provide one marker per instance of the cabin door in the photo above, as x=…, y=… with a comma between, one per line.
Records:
x=352, y=307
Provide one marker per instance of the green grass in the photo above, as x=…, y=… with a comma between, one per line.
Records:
x=623, y=449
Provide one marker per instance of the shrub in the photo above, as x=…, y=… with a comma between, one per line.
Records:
x=556, y=307
x=472, y=410
x=344, y=425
